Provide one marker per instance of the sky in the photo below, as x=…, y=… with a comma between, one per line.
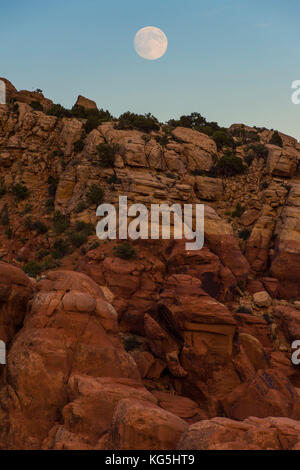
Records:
x=233, y=61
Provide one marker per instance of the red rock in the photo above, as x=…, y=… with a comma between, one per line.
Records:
x=251, y=434
x=288, y=318
x=85, y=103
x=15, y=291
x=140, y=425
x=269, y=393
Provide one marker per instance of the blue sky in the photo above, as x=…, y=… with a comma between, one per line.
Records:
x=230, y=60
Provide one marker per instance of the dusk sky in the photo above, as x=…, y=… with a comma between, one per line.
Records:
x=231, y=60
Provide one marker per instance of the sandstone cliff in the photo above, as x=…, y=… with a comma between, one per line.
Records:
x=157, y=347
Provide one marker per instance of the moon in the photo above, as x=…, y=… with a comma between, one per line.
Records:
x=150, y=43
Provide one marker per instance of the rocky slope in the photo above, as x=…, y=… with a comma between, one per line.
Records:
x=158, y=347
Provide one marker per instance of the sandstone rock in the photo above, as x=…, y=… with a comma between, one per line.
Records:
x=254, y=350
x=71, y=330
x=140, y=425
x=286, y=262
x=251, y=434
x=288, y=318
x=85, y=103
x=262, y=299
x=209, y=189
x=269, y=393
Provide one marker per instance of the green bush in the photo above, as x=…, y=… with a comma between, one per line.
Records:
x=42, y=254
x=230, y=165
x=32, y=268
x=239, y=210
x=40, y=227
x=249, y=157
x=113, y=179
x=131, y=342
x=5, y=216
x=222, y=138
x=243, y=309
x=36, y=105
x=78, y=239
x=79, y=145
x=163, y=140
x=81, y=206
x=8, y=233
x=276, y=139
x=61, y=248
x=244, y=234
x=124, y=251
x=83, y=227
x=61, y=222
x=20, y=192
x=264, y=185
x=107, y=154
x=59, y=111
x=95, y=194
x=2, y=189
x=145, y=123
x=52, y=183
x=260, y=151
x=49, y=204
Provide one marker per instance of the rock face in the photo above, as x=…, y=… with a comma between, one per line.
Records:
x=159, y=347
x=251, y=434
x=85, y=103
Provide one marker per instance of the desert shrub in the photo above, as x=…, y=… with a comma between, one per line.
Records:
x=94, y=194
x=61, y=248
x=59, y=111
x=243, y=309
x=191, y=121
x=222, y=138
x=2, y=189
x=8, y=233
x=52, y=183
x=276, y=139
x=162, y=140
x=15, y=108
x=113, y=179
x=264, y=185
x=244, y=234
x=107, y=154
x=36, y=105
x=130, y=343
x=42, y=254
x=48, y=263
x=259, y=150
x=77, y=239
x=83, y=227
x=5, y=216
x=61, y=222
x=20, y=192
x=145, y=123
x=230, y=165
x=124, y=251
x=267, y=318
x=40, y=227
x=249, y=157
x=32, y=268
x=81, y=206
x=79, y=145
x=95, y=118
x=49, y=204
x=238, y=211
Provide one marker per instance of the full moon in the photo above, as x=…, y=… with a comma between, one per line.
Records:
x=150, y=43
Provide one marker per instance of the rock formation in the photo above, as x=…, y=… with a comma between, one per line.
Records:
x=159, y=347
